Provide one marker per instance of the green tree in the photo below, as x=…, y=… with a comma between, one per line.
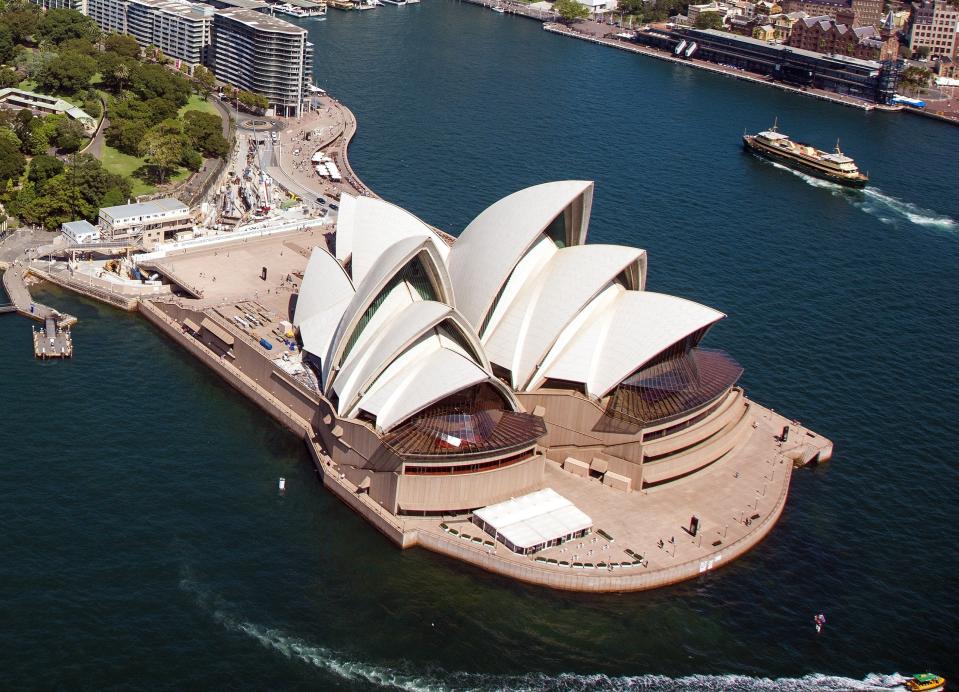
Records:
x=204, y=132
x=22, y=123
x=33, y=62
x=115, y=71
x=205, y=80
x=22, y=23
x=191, y=159
x=67, y=73
x=44, y=167
x=7, y=47
x=709, y=20
x=127, y=135
x=79, y=45
x=12, y=162
x=253, y=101
x=915, y=77
x=69, y=135
x=9, y=135
x=163, y=148
x=630, y=6
x=8, y=77
x=122, y=45
x=58, y=200
x=570, y=10
x=154, y=81
x=57, y=26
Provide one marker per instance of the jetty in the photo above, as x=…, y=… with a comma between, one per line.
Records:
x=15, y=284
x=52, y=341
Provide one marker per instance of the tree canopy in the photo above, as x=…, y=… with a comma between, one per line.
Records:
x=709, y=20
x=12, y=162
x=204, y=132
x=57, y=26
x=122, y=45
x=67, y=73
x=570, y=10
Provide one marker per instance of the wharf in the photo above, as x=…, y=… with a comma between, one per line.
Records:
x=52, y=341
x=718, y=69
x=15, y=284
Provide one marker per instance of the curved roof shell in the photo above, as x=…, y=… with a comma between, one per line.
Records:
x=550, y=301
x=413, y=323
x=325, y=283
x=367, y=226
x=629, y=331
x=408, y=386
x=484, y=255
x=391, y=262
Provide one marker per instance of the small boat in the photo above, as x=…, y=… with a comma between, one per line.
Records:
x=499, y=9
x=925, y=682
x=835, y=167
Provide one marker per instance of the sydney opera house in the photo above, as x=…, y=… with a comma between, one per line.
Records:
x=514, y=397
x=455, y=369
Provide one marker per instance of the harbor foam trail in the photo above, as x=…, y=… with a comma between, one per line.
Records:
x=875, y=202
x=405, y=677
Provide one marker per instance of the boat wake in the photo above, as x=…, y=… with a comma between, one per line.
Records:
x=437, y=680
x=875, y=202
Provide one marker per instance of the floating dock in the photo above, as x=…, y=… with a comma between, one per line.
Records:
x=52, y=341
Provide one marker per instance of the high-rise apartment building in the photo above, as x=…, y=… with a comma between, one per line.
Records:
x=180, y=29
x=110, y=15
x=265, y=55
x=935, y=25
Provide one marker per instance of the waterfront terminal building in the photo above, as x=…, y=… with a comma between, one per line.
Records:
x=865, y=79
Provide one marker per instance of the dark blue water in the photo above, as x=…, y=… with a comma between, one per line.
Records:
x=145, y=545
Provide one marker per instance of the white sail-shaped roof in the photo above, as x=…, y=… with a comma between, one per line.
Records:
x=411, y=324
x=410, y=385
x=345, y=221
x=372, y=225
x=325, y=283
x=484, y=255
x=632, y=329
x=391, y=262
x=550, y=301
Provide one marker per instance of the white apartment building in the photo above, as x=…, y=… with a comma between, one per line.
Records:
x=265, y=55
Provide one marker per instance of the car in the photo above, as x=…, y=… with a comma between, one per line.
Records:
x=321, y=200
x=334, y=207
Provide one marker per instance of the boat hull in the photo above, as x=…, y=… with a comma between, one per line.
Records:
x=799, y=164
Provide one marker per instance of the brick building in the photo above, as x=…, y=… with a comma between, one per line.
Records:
x=825, y=35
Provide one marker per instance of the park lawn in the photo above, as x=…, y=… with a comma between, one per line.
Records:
x=117, y=162
x=198, y=103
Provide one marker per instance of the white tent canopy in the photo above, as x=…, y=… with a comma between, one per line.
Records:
x=532, y=522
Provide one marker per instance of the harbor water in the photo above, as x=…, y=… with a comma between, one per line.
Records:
x=145, y=541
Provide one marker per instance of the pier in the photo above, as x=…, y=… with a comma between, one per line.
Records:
x=15, y=284
x=52, y=341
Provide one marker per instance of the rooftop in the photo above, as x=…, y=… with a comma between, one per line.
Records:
x=157, y=206
x=261, y=22
x=857, y=62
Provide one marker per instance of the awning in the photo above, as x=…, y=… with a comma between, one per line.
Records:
x=191, y=325
x=532, y=521
x=217, y=331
